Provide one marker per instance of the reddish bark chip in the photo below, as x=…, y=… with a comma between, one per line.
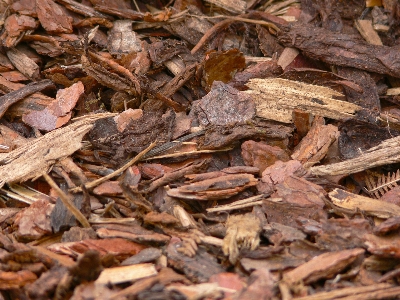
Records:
x=34, y=221
x=261, y=155
x=57, y=113
x=53, y=17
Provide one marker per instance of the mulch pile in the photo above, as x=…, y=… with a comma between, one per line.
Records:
x=210, y=149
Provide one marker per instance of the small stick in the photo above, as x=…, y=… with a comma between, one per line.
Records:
x=9, y=99
x=226, y=23
x=248, y=202
x=94, y=183
x=67, y=202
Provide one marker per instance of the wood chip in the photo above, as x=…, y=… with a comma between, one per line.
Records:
x=276, y=98
x=35, y=157
x=125, y=274
x=369, y=206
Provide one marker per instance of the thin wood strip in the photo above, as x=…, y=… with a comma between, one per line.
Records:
x=353, y=291
x=96, y=182
x=387, y=152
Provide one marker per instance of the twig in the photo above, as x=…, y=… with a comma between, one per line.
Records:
x=9, y=99
x=171, y=145
x=248, y=202
x=226, y=23
x=137, y=158
x=188, y=153
x=387, y=152
x=67, y=202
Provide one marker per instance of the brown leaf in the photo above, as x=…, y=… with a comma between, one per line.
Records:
x=222, y=66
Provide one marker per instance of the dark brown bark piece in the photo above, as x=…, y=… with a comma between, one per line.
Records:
x=198, y=269
x=120, y=9
x=5, y=63
x=82, y=9
x=341, y=49
x=144, y=256
x=190, y=29
x=259, y=70
x=62, y=218
x=222, y=136
x=340, y=234
x=287, y=213
x=47, y=283
x=161, y=51
x=13, y=97
x=269, y=46
x=122, y=80
x=152, y=126
x=368, y=98
x=358, y=136
x=320, y=77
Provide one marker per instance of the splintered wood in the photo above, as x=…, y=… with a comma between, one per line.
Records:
x=276, y=98
x=369, y=206
x=387, y=152
x=37, y=156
